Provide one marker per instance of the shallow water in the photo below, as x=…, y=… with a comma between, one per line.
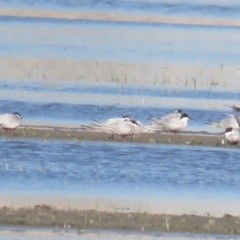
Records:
x=177, y=7
x=117, y=168
x=120, y=89
x=23, y=233
x=109, y=41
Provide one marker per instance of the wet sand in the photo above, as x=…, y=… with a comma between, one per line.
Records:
x=47, y=133
x=48, y=216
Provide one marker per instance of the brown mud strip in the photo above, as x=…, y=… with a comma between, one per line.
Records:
x=77, y=135
x=45, y=215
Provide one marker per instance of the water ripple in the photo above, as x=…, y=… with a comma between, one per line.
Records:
x=39, y=165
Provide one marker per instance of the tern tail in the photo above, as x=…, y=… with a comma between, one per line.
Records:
x=213, y=124
x=229, y=106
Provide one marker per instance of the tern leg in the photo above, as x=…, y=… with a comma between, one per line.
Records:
x=123, y=138
x=9, y=131
x=111, y=137
x=170, y=133
x=135, y=136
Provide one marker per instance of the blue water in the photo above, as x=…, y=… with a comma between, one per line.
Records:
x=115, y=168
x=158, y=90
x=211, y=8
x=119, y=42
x=39, y=233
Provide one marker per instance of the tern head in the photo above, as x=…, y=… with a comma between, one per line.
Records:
x=17, y=114
x=185, y=116
x=228, y=130
x=237, y=109
x=134, y=122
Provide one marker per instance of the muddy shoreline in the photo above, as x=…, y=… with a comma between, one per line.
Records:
x=48, y=216
x=76, y=135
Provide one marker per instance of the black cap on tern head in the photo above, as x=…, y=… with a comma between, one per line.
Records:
x=16, y=113
x=228, y=130
x=184, y=115
x=133, y=121
x=236, y=108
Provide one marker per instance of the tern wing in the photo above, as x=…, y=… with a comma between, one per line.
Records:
x=172, y=124
x=9, y=120
x=124, y=128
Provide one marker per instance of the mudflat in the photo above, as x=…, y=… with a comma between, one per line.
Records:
x=46, y=215
x=189, y=138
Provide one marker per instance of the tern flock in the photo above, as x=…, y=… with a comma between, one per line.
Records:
x=125, y=126
x=172, y=123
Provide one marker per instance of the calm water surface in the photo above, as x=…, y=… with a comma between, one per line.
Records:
x=33, y=165
x=121, y=42
x=211, y=8
x=40, y=233
x=23, y=233
x=119, y=89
